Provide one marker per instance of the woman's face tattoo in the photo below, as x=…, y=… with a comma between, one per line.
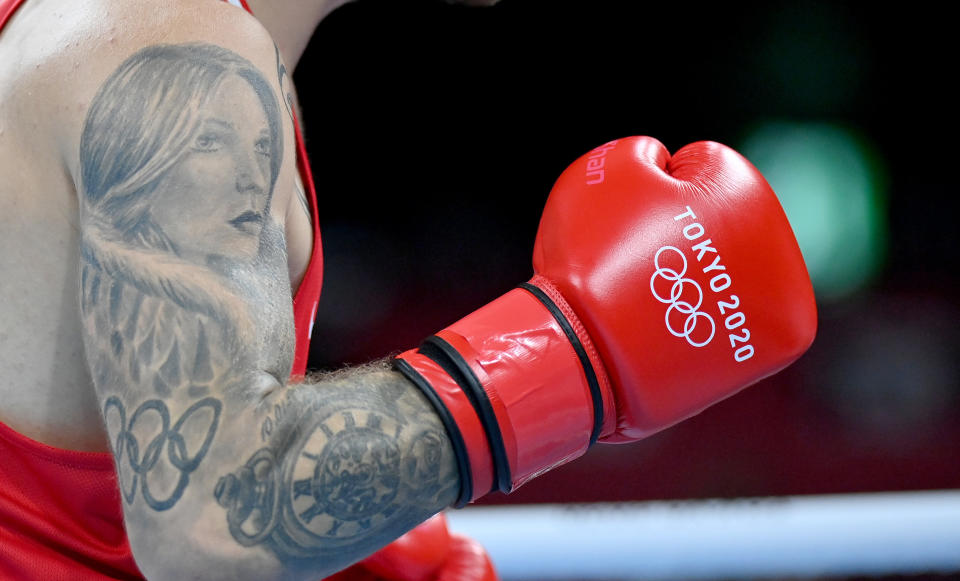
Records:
x=224, y=178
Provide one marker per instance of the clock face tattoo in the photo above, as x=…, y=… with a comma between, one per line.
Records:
x=345, y=476
x=340, y=473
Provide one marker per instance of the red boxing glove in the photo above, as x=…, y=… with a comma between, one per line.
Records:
x=415, y=556
x=468, y=561
x=428, y=552
x=662, y=285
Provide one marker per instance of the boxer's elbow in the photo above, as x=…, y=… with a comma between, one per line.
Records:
x=205, y=502
x=179, y=562
x=164, y=550
x=205, y=553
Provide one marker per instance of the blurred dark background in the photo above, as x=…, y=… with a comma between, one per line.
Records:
x=436, y=131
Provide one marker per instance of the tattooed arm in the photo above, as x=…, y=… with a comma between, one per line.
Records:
x=226, y=470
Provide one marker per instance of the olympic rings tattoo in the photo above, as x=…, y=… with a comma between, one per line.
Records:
x=684, y=307
x=170, y=439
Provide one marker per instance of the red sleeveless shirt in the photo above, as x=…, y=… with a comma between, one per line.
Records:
x=60, y=511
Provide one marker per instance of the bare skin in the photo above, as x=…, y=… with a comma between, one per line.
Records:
x=40, y=220
x=151, y=247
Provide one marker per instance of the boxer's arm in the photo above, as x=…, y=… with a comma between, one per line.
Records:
x=226, y=470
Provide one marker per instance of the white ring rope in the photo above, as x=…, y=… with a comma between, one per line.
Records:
x=802, y=536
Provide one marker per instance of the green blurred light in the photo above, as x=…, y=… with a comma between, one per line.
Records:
x=831, y=187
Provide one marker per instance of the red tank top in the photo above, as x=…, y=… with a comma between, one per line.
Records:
x=60, y=512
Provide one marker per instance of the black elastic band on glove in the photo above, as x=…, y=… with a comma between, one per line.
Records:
x=588, y=370
x=453, y=363
x=453, y=431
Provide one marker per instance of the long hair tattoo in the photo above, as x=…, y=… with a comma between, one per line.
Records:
x=142, y=122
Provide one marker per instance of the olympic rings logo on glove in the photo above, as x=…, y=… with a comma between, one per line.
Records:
x=683, y=307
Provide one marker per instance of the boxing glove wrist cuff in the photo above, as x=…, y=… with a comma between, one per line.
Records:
x=594, y=373
x=456, y=411
x=527, y=371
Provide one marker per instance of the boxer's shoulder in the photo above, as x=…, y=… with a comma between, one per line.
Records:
x=54, y=58
x=57, y=54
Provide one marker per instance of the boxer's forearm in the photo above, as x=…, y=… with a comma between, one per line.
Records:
x=225, y=471
x=316, y=476
x=363, y=458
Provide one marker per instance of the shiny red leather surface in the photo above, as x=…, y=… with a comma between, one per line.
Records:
x=468, y=560
x=416, y=555
x=684, y=271
x=429, y=552
x=459, y=407
x=528, y=367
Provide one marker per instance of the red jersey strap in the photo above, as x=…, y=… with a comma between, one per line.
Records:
x=8, y=7
x=240, y=4
x=307, y=297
